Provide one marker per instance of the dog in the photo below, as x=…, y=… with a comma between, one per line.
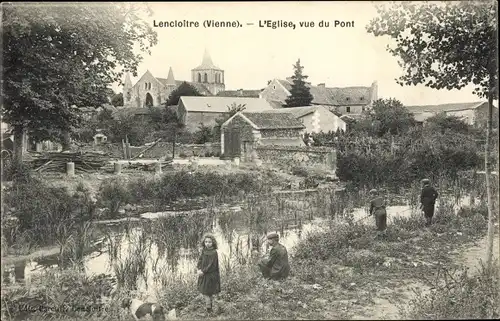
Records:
x=140, y=310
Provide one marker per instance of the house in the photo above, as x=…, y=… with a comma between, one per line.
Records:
x=345, y=100
x=474, y=113
x=315, y=118
x=193, y=111
x=241, y=133
x=240, y=93
x=149, y=90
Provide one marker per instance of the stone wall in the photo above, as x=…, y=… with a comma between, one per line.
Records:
x=290, y=156
x=162, y=149
x=194, y=118
x=281, y=133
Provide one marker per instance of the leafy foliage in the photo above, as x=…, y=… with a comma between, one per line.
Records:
x=117, y=100
x=443, y=45
x=300, y=94
x=185, y=89
x=389, y=116
x=53, y=62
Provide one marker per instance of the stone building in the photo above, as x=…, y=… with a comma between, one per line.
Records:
x=344, y=100
x=149, y=90
x=245, y=131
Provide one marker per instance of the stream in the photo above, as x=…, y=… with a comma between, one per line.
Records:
x=180, y=260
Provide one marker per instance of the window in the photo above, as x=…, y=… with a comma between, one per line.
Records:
x=146, y=86
x=274, y=87
x=348, y=109
x=347, y=98
x=199, y=77
x=205, y=77
x=361, y=98
x=362, y=108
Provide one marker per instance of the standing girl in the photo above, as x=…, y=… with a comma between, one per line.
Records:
x=377, y=208
x=208, y=270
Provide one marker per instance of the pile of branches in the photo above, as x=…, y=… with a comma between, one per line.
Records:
x=165, y=165
x=56, y=161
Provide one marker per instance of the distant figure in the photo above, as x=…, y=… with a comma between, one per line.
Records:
x=276, y=267
x=428, y=200
x=378, y=209
x=208, y=271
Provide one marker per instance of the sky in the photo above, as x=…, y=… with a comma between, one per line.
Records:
x=251, y=55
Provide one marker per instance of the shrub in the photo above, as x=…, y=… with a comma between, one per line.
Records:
x=462, y=296
x=113, y=193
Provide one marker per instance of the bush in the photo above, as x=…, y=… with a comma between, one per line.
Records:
x=113, y=194
x=463, y=296
x=44, y=212
x=69, y=293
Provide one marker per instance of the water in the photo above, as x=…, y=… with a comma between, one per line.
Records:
x=182, y=259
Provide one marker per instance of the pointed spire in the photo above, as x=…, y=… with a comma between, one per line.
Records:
x=170, y=78
x=207, y=62
x=128, y=82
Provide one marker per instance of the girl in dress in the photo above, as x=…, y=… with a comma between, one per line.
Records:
x=208, y=270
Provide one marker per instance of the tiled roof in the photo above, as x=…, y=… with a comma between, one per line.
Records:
x=336, y=96
x=221, y=104
x=239, y=93
x=444, y=107
x=274, y=120
x=297, y=112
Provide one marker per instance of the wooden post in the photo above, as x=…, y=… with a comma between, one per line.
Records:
x=118, y=168
x=158, y=167
x=70, y=169
x=124, y=150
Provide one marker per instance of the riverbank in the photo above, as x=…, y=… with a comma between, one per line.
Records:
x=343, y=273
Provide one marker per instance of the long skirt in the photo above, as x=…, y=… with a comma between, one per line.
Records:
x=381, y=220
x=429, y=210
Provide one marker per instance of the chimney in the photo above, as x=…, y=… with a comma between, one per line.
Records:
x=321, y=85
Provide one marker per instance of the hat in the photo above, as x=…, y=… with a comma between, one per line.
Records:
x=373, y=191
x=426, y=181
x=272, y=235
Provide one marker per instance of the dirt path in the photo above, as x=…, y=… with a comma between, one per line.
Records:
x=388, y=300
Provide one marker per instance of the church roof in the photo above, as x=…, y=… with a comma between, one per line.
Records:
x=200, y=87
x=336, y=96
x=170, y=79
x=207, y=63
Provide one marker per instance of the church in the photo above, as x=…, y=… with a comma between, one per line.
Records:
x=207, y=78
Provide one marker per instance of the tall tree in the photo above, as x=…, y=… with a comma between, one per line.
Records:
x=184, y=89
x=390, y=116
x=57, y=57
x=300, y=94
x=447, y=45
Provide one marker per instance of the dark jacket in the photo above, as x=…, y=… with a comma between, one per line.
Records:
x=428, y=196
x=208, y=263
x=377, y=206
x=278, y=262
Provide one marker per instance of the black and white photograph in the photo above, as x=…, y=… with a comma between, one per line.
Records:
x=248, y=160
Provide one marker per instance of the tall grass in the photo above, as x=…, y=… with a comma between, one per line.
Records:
x=459, y=295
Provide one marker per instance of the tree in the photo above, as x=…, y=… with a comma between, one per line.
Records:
x=184, y=89
x=390, y=116
x=300, y=94
x=117, y=100
x=447, y=45
x=60, y=57
x=443, y=123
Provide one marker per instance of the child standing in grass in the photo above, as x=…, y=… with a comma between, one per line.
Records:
x=208, y=270
x=378, y=209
